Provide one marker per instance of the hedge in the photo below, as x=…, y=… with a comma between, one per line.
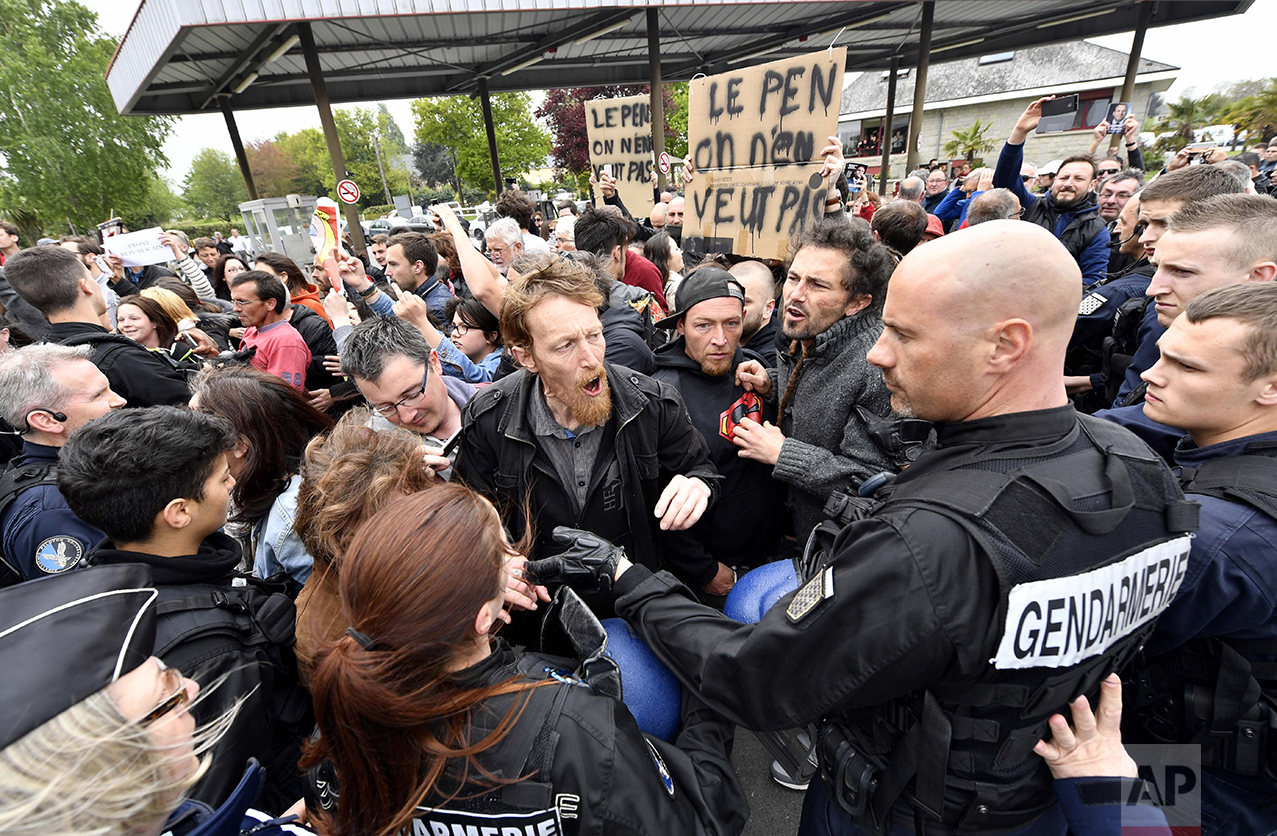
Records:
x=205, y=227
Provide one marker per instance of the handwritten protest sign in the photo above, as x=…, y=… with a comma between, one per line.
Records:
x=754, y=135
x=138, y=249
x=620, y=135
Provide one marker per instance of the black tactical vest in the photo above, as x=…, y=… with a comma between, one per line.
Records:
x=1079, y=232
x=1089, y=539
x=1215, y=692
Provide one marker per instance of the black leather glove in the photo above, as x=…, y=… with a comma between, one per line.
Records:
x=587, y=565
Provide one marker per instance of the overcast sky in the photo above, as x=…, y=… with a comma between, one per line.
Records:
x=1210, y=54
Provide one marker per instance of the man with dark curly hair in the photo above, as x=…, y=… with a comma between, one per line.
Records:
x=831, y=310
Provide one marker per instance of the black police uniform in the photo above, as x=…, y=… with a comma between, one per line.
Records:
x=1208, y=674
x=991, y=586
x=39, y=533
x=604, y=775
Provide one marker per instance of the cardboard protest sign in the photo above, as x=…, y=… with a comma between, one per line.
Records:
x=138, y=249
x=620, y=135
x=755, y=135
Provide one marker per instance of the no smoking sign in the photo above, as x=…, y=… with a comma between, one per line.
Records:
x=348, y=191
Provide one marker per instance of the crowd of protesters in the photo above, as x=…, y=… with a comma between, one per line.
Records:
x=290, y=546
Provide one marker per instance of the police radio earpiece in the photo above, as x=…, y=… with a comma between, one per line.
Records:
x=57, y=416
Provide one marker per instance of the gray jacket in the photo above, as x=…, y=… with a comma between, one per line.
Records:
x=827, y=447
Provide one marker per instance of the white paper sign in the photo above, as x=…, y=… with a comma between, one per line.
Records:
x=1059, y=622
x=138, y=249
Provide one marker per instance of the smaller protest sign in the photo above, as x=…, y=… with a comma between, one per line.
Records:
x=620, y=136
x=138, y=249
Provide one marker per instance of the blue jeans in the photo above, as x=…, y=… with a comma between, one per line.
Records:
x=822, y=817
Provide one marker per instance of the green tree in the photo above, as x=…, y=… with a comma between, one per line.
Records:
x=435, y=163
x=160, y=206
x=66, y=155
x=970, y=143
x=390, y=130
x=357, y=129
x=676, y=119
x=456, y=123
x=1186, y=116
x=1255, y=113
x=214, y=187
x=308, y=150
x=275, y=173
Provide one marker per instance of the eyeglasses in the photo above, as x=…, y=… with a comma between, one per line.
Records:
x=1105, y=172
x=175, y=683
x=460, y=329
x=243, y=303
x=1024, y=178
x=409, y=401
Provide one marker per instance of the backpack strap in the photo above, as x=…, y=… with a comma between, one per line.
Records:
x=14, y=482
x=1249, y=480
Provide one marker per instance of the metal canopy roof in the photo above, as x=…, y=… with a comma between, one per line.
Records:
x=178, y=56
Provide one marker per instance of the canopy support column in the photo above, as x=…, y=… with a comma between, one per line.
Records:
x=920, y=84
x=486, y=103
x=320, y=90
x=238, y=145
x=1133, y=63
x=657, y=92
x=884, y=134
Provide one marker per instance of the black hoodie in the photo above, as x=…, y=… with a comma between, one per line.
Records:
x=765, y=343
x=239, y=654
x=745, y=527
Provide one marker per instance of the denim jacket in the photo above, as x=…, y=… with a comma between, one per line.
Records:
x=278, y=547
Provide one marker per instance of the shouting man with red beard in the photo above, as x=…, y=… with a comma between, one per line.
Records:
x=580, y=442
x=744, y=529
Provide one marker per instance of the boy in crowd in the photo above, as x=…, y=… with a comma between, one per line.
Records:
x=158, y=483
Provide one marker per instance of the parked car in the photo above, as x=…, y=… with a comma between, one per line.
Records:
x=377, y=226
x=421, y=223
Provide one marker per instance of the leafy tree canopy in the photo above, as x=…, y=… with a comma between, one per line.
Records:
x=455, y=123
x=66, y=155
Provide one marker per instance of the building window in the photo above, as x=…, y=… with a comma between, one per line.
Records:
x=849, y=135
x=870, y=144
x=996, y=58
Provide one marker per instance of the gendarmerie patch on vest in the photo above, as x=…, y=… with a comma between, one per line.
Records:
x=431, y=822
x=1057, y=623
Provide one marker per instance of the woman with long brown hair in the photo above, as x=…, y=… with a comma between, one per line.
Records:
x=275, y=423
x=430, y=721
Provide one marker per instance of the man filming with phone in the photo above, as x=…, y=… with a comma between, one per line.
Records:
x=1068, y=211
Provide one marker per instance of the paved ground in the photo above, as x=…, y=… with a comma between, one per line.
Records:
x=773, y=810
